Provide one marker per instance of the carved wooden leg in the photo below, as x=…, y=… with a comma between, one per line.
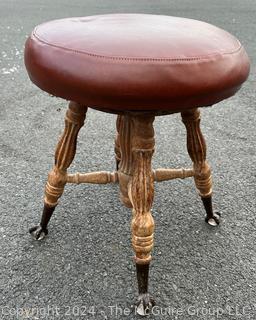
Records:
x=117, y=141
x=125, y=165
x=141, y=193
x=202, y=172
x=64, y=156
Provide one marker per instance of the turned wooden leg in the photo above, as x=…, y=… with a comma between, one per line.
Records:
x=141, y=193
x=64, y=156
x=202, y=172
x=117, y=141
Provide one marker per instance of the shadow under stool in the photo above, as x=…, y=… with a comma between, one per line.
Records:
x=136, y=66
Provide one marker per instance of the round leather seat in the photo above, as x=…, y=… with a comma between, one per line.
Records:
x=136, y=62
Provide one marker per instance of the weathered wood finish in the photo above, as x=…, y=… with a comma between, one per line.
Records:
x=134, y=148
x=141, y=188
x=197, y=151
x=170, y=174
x=64, y=153
x=202, y=172
x=100, y=177
x=126, y=164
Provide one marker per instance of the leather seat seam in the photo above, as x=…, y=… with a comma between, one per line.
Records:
x=40, y=39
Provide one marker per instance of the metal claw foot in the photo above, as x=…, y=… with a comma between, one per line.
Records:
x=144, y=304
x=214, y=220
x=38, y=233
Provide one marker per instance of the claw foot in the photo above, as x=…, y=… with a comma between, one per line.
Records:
x=144, y=304
x=214, y=220
x=38, y=233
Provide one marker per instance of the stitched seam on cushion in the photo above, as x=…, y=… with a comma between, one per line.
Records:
x=136, y=59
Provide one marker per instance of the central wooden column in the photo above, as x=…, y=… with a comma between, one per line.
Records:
x=136, y=141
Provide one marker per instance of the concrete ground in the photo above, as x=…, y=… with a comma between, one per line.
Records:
x=84, y=265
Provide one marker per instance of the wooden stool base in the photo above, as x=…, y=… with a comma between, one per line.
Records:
x=134, y=148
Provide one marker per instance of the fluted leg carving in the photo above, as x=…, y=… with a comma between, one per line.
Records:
x=196, y=146
x=141, y=192
x=126, y=164
x=64, y=156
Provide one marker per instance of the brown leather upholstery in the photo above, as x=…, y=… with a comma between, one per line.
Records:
x=136, y=61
